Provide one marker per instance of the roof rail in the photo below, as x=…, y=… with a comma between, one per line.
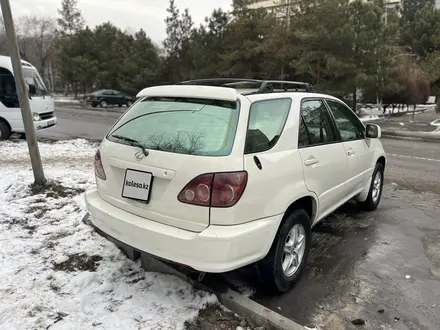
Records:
x=261, y=86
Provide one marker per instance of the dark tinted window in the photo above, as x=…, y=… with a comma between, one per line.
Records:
x=7, y=83
x=266, y=123
x=350, y=127
x=8, y=92
x=318, y=122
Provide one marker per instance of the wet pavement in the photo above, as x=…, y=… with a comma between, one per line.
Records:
x=359, y=267
x=405, y=122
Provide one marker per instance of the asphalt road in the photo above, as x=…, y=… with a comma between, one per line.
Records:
x=359, y=263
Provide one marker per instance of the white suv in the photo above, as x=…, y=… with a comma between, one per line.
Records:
x=217, y=178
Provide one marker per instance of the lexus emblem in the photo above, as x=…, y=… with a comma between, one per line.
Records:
x=140, y=155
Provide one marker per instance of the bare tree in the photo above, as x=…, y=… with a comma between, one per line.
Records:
x=37, y=40
x=3, y=38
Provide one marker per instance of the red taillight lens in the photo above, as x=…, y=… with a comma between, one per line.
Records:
x=228, y=188
x=216, y=190
x=99, y=169
x=198, y=191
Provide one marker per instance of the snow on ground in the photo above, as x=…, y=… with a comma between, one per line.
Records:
x=63, y=100
x=369, y=118
x=366, y=110
x=67, y=99
x=56, y=272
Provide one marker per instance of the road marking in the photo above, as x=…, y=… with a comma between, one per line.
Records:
x=415, y=157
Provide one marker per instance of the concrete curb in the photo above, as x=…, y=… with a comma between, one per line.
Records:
x=243, y=306
x=428, y=136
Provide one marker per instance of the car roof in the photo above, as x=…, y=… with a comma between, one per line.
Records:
x=221, y=93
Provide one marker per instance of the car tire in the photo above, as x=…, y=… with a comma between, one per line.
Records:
x=274, y=269
x=94, y=105
x=120, y=105
x=103, y=104
x=129, y=103
x=5, y=132
x=375, y=192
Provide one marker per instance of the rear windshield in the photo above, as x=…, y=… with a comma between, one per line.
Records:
x=180, y=125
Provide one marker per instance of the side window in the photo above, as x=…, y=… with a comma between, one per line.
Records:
x=266, y=123
x=350, y=127
x=107, y=93
x=8, y=92
x=317, y=121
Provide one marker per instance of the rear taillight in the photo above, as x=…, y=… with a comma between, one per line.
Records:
x=215, y=190
x=99, y=169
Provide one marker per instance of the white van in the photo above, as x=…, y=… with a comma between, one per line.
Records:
x=42, y=103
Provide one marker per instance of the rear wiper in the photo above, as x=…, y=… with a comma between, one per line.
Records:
x=132, y=142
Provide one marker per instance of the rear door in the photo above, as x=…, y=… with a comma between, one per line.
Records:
x=183, y=139
x=358, y=149
x=323, y=157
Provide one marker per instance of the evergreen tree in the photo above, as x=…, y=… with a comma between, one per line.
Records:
x=70, y=19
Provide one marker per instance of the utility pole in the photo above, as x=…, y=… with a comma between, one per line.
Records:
x=22, y=94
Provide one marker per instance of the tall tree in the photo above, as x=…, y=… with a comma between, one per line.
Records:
x=420, y=26
x=70, y=22
x=179, y=28
x=70, y=19
x=246, y=53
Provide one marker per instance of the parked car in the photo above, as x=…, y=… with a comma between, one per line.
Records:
x=214, y=179
x=108, y=97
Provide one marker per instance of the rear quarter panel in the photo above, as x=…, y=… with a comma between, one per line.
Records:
x=280, y=182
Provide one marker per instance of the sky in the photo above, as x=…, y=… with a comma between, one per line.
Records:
x=126, y=14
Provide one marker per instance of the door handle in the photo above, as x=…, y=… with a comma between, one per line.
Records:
x=311, y=161
x=351, y=152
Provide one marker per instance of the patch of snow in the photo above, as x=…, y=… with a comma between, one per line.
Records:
x=72, y=152
x=435, y=122
x=62, y=100
x=369, y=118
x=374, y=110
x=57, y=272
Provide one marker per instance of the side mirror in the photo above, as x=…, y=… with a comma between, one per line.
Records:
x=32, y=89
x=373, y=131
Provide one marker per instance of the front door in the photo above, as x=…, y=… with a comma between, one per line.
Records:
x=357, y=148
x=324, y=159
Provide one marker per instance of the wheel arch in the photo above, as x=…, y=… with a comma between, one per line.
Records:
x=3, y=120
x=382, y=160
x=308, y=203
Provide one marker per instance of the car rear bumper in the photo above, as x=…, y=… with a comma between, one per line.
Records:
x=217, y=249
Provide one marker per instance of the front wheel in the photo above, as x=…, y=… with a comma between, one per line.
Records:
x=375, y=193
x=103, y=104
x=286, y=260
x=5, y=132
x=129, y=103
